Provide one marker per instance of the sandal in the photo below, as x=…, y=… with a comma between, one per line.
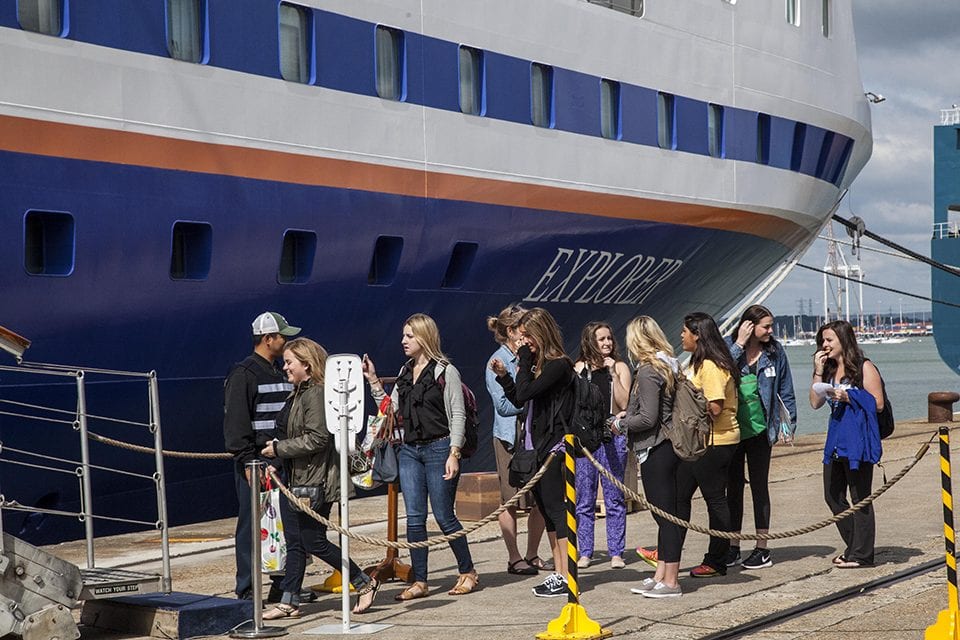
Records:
x=535, y=561
x=366, y=595
x=414, y=591
x=526, y=570
x=852, y=564
x=281, y=611
x=839, y=560
x=466, y=583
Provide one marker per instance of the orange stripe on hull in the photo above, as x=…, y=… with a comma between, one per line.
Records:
x=38, y=137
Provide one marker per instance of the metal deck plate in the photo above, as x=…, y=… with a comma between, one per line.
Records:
x=108, y=583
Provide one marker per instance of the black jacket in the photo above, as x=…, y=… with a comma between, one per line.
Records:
x=253, y=393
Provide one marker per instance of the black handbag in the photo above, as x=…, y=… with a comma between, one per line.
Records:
x=386, y=467
x=523, y=466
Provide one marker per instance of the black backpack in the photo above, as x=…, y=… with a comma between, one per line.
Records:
x=589, y=419
x=885, y=417
x=472, y=423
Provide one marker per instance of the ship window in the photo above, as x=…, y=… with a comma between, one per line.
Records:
x=541, y=94
x=296, y=258
x=191, y=250
x=825, y=21
x=185, y=29
x=715, y=130
x=48, y=243
x=666, y=127
x=41, y=16
x=610, y=109
x=793, y=12
x=390, y=63
x=763, y=138
x=461, y=259
x=796, y=153
x=295, y=34
x=633, y=7
x=385, y=261
x=471, y=80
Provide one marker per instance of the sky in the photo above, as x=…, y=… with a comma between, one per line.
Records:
x=910, y=54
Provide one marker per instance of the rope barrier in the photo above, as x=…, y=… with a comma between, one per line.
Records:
x=761, y=536
x=413, y=545
x=150, y=450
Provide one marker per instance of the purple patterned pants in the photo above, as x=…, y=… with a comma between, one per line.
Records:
x=613, y=456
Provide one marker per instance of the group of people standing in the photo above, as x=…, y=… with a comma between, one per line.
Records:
x=745, y=379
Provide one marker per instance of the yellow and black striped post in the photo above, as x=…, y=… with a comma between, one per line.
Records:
x=573, y=621
x=946, y=627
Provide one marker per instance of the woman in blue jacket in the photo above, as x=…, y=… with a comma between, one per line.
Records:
x=852, y=448
x=765, y=383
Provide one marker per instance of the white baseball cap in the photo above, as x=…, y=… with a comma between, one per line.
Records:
x=270, y=322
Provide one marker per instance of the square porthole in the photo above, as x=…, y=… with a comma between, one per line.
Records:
x=42, y=16
x=49, y=243
x=385, y=261
x=191, y=250
x=461, y=260
x=296, y=258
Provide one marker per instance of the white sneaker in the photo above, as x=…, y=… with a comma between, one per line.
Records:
x=583, y=562
x=646, y=585
x=661, y=590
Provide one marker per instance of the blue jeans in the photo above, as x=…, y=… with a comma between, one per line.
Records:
x=421, y=475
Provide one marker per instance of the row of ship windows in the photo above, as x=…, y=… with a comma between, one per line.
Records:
x=184, y=19
x=297, y=53
x=50, y=249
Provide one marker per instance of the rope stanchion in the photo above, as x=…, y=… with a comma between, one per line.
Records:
x=633, y=495
x=946, y=626
x=573, y=621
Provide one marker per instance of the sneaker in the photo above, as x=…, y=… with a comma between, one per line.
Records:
x=583, y=562
x=648, y=555
x=616, y=562
x=758, y=559
x=733, y=557
x=661, y=590
x=554, y=586
x=704, y=571
x=646, y=585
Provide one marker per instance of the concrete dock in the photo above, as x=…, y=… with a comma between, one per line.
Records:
x=909, y=533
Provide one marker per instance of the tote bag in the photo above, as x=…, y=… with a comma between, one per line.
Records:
x=273, y=544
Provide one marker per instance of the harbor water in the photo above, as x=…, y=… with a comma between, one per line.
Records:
x=910, y=370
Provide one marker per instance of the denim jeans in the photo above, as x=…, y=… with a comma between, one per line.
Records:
x=421, y=476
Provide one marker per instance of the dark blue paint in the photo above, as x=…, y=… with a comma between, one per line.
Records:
x=244, y=37
x=812, y=148
x=781, y=142
x=440, y=73
x=341, y=40
x=508, y=88
x=740, y=134
x=576, y=102
x=691, y=125
x=143, y=25
x=638, y=114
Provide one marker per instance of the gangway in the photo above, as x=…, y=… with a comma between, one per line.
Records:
x=38, y=589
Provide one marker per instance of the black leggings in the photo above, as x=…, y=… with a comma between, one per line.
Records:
x=756, y=453
x=859, y=530
x=709, y=473
x=550, y=494
x=659, y=475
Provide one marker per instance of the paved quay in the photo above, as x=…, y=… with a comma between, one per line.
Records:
x=909, y=533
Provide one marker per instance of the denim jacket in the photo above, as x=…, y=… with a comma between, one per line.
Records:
x=504, y=413
x=768, y=386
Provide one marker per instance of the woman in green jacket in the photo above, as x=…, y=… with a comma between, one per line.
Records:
x=310, y=461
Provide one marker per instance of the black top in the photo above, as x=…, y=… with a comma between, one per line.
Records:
x=551, y=393
x=254, y=392
x=422, y=409
x=602, y=379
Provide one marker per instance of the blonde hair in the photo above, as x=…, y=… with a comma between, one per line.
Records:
x=540, y=325
x=644, y=339
x=311, y=355
x=425, y=330
x=506, y=319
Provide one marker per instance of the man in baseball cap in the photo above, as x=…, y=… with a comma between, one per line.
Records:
x=254, y=392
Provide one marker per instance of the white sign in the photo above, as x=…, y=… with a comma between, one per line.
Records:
x=343, y=396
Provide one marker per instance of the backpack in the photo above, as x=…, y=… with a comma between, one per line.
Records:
x=472, y=423
x=589, y=420
x=885, y=417
x=690, y=426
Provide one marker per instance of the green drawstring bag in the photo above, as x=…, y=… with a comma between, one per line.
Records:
x=749, y=408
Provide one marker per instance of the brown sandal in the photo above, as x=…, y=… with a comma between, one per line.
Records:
x=281, y=611
x=366, y=595
x=466, y=583
x=414, y=591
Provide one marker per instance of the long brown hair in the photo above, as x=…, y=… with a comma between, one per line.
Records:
x=850, y=353
x=710, y=344
x=589, y=351
x=540, y=325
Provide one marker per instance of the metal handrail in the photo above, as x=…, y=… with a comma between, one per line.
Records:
x=950, y=116
x=943, y=230
x=84, y=466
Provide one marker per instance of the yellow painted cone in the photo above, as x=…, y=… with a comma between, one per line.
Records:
x=573, y=622
x=945, y=628
x=331, y=584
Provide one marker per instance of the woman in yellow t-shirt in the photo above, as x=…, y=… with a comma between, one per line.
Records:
x=713, y=370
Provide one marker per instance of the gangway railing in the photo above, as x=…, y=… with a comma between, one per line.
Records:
x=98, y=581
x=943, y=230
